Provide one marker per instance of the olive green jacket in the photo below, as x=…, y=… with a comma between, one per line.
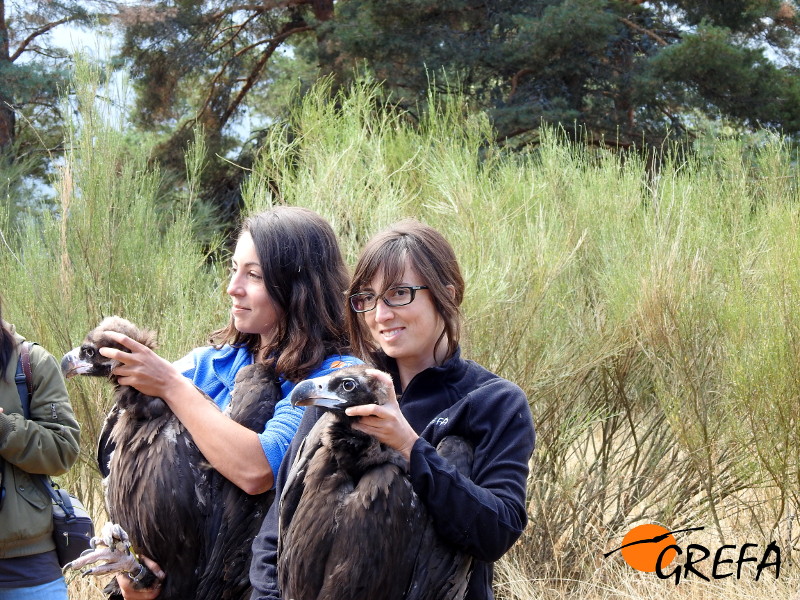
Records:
x=48, y=443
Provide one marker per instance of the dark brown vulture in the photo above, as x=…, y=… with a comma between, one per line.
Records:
x=351, y=526
x=175, y=508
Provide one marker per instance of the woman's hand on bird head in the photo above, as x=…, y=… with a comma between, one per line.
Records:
x=141, y=368
x=385, y=422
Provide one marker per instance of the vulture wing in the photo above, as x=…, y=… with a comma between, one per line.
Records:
x=104, y=445
x=380, y=526
x=238, y=515
x=441, y=572
x=290, y=573
x=159, y=491
x=254, y=396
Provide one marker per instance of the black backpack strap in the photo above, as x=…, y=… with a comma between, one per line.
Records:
x=24, y=378
x=59, y=497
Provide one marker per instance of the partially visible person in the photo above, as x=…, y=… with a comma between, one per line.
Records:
x=45, y=444
x=287, y=281
x=404, y=318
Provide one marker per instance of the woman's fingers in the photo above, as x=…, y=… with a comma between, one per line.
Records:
x=385, y=422
x=121, y=355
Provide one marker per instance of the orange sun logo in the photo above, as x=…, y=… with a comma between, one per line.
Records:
x=643, y=544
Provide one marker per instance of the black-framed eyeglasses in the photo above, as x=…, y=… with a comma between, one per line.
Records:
x=399, y=295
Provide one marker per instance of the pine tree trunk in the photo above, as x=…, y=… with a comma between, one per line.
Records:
x=7, y=117
x=329, y=53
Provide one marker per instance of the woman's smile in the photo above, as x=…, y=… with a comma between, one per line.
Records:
x=389, y=334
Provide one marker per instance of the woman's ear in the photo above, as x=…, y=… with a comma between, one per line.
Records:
x=452, y=289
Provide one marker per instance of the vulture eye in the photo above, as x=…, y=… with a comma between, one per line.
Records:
x=348, y=385
x=88, y=352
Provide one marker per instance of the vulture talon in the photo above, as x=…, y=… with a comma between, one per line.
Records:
x=111, y=546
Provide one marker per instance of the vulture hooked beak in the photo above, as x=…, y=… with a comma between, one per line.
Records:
x=72, y=364
x=347, y=387
x=314, y=392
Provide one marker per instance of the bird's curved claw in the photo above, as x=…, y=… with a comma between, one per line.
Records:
x=112, y=546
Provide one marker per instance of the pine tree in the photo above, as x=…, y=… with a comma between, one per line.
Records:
x=626, y=72
x=33, y=71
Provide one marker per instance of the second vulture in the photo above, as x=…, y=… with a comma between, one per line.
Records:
x=351, y=526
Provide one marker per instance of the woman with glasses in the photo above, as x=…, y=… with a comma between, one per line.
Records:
x=45, y=442
x=404, y=318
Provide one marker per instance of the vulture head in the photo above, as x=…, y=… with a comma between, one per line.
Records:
x=87, y=360
x=351, y=386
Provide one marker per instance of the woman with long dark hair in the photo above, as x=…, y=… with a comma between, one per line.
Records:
x=287, y=281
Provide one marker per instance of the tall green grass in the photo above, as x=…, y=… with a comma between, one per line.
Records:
x=107, y=248
x=649, y=313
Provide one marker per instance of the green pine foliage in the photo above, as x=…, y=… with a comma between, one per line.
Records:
x=34, y=72
x=709, y=71
x=626, y=71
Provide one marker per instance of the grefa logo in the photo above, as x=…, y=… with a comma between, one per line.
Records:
x=651, y=548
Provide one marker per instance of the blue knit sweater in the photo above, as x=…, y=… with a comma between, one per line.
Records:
x=214, y=371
